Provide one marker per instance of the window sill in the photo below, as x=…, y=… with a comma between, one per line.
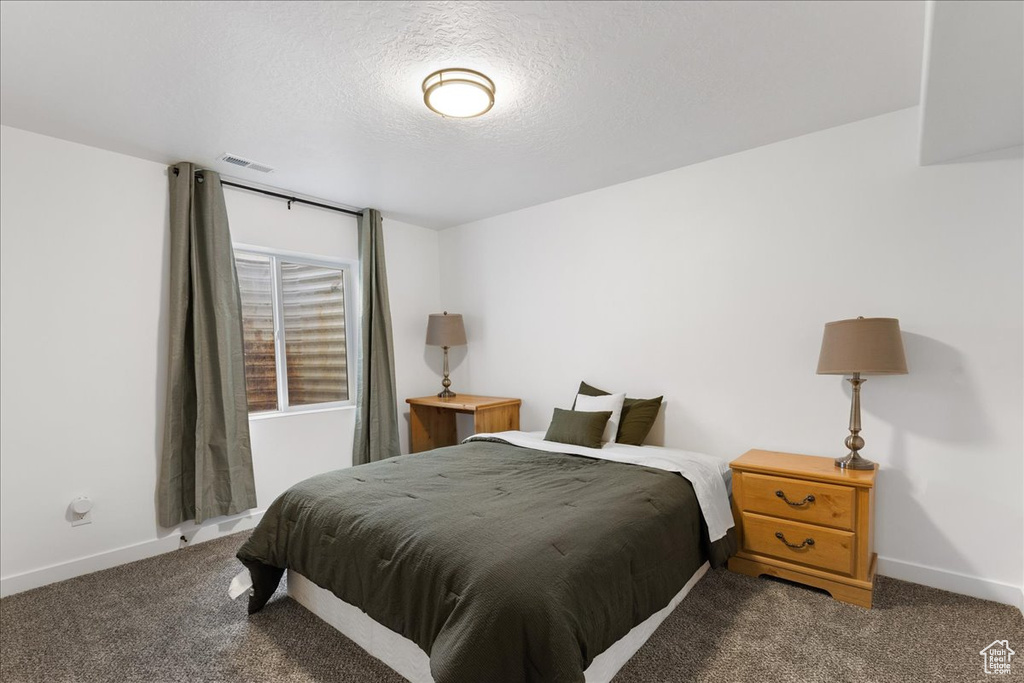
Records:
x=289, y=413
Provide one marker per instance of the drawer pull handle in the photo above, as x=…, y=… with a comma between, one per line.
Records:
x=807, y=541
x=809, y=498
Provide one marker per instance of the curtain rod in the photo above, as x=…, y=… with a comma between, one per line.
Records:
x=296, y=200
x=290, y=199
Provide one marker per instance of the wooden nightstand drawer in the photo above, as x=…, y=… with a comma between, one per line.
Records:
x=814, y=546
x=810, y=502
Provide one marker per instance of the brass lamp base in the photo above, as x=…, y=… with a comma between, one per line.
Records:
x=854, y=441
x=446, y=392
x=853, y=461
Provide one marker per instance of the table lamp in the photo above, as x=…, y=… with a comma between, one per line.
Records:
x=444, y=330
x=861, y=346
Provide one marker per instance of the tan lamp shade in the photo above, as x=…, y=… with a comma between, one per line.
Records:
x=446, y=329
x=869, y=346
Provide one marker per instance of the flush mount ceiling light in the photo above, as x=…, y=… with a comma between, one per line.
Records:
x=458, y=93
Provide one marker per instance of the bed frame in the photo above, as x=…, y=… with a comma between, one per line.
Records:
x=407, y=659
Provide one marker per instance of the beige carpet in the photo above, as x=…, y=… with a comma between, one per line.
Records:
x=169, y=619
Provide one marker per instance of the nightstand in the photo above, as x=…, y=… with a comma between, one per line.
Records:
x=432, y=419
x=801, y=518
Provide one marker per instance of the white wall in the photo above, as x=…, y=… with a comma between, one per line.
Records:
x=83, y=318
x=710, y=284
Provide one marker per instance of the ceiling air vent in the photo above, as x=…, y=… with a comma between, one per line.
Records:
x=245, y=163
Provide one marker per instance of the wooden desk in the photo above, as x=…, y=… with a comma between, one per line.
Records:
x=432, y=419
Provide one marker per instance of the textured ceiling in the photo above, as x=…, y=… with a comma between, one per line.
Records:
x=589, y=94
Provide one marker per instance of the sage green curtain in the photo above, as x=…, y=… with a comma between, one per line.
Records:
x=206, y=463
x=376, y=435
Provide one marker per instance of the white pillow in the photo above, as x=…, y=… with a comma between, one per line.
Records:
x=597, y=404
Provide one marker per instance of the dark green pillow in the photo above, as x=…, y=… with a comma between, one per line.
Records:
x=638, y=415
x=577, y=427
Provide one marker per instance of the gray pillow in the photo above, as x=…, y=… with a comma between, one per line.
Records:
x=577, y=427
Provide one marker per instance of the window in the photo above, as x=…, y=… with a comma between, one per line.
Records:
x=295, y=325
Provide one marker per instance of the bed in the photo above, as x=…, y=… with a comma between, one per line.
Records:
x=506, y=558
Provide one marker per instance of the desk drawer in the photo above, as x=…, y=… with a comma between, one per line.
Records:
x=810, y=502
x=819, y=547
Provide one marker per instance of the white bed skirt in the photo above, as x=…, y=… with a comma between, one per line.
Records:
x=407, y=659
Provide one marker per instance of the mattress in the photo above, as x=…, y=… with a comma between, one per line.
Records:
x=406, y=658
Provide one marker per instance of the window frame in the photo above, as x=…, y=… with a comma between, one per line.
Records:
x=348, y=268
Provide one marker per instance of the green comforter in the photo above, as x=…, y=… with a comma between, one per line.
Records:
x=502, y=563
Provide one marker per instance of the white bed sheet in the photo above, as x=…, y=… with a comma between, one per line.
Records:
x=706, y=473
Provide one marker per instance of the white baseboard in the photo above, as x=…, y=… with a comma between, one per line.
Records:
x=974, y=586
x=17, y=583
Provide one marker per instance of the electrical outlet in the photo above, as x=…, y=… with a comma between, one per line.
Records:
x=81, y=511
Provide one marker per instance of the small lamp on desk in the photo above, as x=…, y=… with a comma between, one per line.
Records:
x=445, y=330
x=861, y=346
